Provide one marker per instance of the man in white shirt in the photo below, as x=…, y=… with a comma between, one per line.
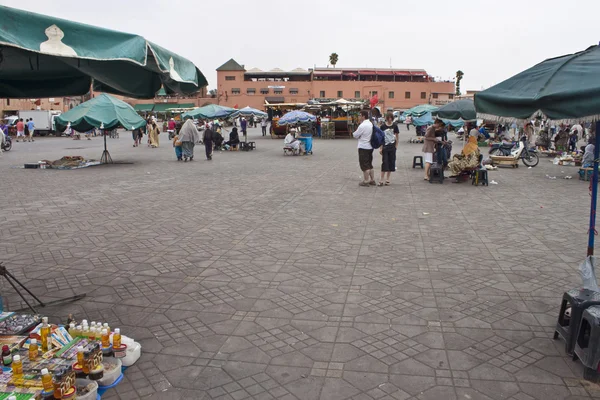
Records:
x=291, y=141
x=365, y=150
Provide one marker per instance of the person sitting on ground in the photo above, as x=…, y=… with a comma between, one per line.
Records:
x=290, y=140
x=217, y=139
x=469, y=157
x=234, y=138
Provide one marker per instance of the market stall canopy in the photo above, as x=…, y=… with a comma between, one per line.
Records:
x=457, y=110
x=248, y=112
x=564, y=89
x=428, y=119
x=44, y=56
x=210, y=111
x=103, y=110
x=420, y=110
x=296, y=117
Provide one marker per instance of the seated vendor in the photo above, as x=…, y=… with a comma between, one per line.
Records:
x=234, y=138
x=469, y=157
x=588, y=156
x=290, y=140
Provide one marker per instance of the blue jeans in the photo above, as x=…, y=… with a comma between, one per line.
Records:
x=178, y=152
x=319, y=130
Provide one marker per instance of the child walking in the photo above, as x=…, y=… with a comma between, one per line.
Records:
x=177, y=145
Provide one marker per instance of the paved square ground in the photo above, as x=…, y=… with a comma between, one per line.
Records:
x=259, y=276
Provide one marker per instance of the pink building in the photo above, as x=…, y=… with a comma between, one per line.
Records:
x=396, y=88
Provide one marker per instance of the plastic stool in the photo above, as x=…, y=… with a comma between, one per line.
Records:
x=480, y=176
x=567, y=327
x=587, y=345
x=418, y=163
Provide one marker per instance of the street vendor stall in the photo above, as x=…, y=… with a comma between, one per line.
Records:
x=41, y=360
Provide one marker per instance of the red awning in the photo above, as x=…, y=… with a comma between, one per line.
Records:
x=327, y=73
x=350, y=74
x=385, y=73
x=367, y=72
x=402, y=73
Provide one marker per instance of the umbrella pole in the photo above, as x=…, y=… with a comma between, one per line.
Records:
x=106, y=158
x=592, y=232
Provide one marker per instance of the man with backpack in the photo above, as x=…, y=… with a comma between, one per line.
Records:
x=365, y=150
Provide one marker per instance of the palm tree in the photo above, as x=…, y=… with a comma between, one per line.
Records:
x=459, y=76
x=333, y=59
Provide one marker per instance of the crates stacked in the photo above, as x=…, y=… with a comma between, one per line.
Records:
x=328, y=130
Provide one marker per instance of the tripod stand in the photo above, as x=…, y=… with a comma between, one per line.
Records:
x=10, y=278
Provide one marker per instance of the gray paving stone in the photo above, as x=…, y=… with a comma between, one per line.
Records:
x=258, y=276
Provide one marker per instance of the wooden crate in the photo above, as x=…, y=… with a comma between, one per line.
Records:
x=505, y=160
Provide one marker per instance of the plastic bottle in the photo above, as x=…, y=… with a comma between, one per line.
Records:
x=99, y=326
x=45, y=333
x=72, y=329
x=47, y=380
x=56, y=381
x=85, y=332
x=105, y=339
x=117, y=338
x=84, y=322
x=6, y=356
x=105, y=326
x=33, y=349
x=80, y=352
x=92, y=335
x=93, y=324
x=78, y=330
x=86, y=365
x=17, y=366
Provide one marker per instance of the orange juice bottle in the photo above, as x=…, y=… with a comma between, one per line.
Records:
x=33, y=349
x=105, y=339
x=47, y=380
x=117, y=338
x=80, y=356
x=17, y=366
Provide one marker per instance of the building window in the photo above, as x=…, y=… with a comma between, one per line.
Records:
x=322, y=93
x=407, y=95
x=340, y=94
x=251, y=91
x=435, y=95
x=451, y=96
x=390, y=95
x=230, y=78
x=423, y=95
x=374, y=92
x=278, y=91
x=235, y=91
x=8, y=102
x=357, y=95
x=293, y=91
x=264, y=91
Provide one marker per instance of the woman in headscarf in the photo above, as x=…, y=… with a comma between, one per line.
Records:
x=588, y=156
x=153, y=133
x=188, y=136
x=468, y=159
x=234, y=138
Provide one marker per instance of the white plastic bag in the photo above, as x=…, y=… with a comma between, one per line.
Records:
x=588, y=274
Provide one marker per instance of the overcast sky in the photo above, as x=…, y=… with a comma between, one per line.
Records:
x=488, y=40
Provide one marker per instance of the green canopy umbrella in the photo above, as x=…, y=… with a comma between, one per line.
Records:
x=104, y=112
x=457, y=110
x=564, y=89
x=419, y=111
x=210, y=111
x=44, y=56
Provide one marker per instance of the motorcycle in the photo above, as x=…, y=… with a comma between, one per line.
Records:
x=521, y=151
x=7, y=145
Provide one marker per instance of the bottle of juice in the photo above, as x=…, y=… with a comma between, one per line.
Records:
x=47, y=380
x=92, y=335
x=85, y=332
x=86, y=360
x=17, y=366
x=6, y=356
x=117, y=338
x=72, y=329
x=45, y=333
x=78, y=330
x=33, y=349
x=80, y=352
x=105, y=339
x=105, y=326
x=56, y=381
